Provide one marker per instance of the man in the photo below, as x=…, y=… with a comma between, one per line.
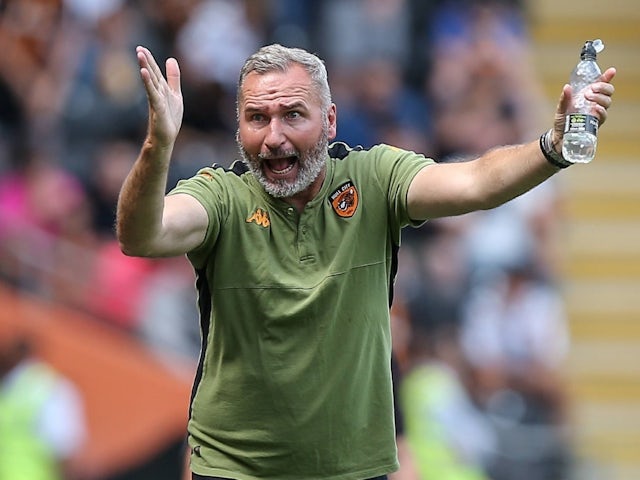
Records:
x=295, y=254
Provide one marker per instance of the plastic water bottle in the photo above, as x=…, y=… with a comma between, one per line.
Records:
x=581, y=128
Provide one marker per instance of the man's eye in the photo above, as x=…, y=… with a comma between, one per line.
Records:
x=293, y=115
x=257, y=117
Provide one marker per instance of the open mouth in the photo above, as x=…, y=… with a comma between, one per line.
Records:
x=281, y=166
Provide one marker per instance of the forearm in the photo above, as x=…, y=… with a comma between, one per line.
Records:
x=494, y=178
x=141, y=201
x=507, y=172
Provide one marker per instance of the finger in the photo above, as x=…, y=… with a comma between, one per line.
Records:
x=600, y=88
x=600, y=94
x=151, y=87
x=144, y=57
x=173, y=75
x=601, y=99
x=145, y=69
x=608, y=75
x=147, y=60
x=565, y=100
x=153, y=94
x=158, y=77
x=601, y=113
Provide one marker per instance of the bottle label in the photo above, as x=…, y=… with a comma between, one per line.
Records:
x=581, y=123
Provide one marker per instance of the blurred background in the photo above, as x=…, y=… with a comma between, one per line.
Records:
x=516, y=331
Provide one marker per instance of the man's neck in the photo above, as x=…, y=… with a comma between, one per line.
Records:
x=300, y=200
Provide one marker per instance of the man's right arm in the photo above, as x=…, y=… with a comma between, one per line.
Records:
x=148, y=223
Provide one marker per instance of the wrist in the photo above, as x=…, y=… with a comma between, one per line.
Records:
x=154, y=147
x=552, y=156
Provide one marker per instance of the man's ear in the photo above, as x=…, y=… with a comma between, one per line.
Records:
x=332, y=120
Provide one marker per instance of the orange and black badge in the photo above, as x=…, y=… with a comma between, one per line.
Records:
x=344, y=200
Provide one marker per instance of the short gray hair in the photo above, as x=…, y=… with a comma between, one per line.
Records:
x=275, y=57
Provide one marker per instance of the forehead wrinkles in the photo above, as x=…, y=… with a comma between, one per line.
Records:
x=277, y=87
x=278, y=97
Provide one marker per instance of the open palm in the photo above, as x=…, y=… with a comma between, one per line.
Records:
x=165, y=98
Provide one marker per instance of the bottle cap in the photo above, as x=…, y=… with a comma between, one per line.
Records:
x=591, y=49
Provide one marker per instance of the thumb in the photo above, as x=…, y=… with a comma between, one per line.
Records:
x=564, y=102
x=608, y=75
x=173, y=75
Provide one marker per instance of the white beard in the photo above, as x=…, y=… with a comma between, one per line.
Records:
x=310, y=165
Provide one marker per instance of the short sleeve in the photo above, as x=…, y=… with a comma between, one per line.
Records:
x=209, y=187
x=397, y=168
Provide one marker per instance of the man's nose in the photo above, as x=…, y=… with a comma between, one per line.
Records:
x=275, y=137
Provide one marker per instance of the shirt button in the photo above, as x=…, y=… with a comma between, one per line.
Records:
x=290, y=211
x=304, y=230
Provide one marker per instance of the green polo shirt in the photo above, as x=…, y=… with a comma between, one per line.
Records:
x=294, y=378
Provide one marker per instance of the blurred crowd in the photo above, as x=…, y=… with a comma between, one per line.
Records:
x=479, y=325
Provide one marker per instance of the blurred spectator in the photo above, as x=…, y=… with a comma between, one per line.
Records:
x=383, y=108
x=526, y=227
x=111, y=164
x=212, y=43
x=294, y=23
x=216, y=39
x=30, y=33
x=448, y=437
x=408, y=469
x=42, y=424
x=515, y=335
x=367, y=47
x=168, y=312
x=28, y=30
x=482, y=84
x=421, y=51
x=102, y=99
x=117, y=284
x=43, y=215
x=357, y=29
x=484, y=93
x=444, y=264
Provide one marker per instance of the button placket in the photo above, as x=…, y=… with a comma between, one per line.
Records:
x=305, y=244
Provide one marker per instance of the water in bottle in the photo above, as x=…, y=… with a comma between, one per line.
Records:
x=581, y=128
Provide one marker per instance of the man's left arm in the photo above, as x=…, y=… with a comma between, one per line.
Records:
x=503, y=173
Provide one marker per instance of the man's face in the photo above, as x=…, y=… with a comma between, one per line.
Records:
x=283, y=132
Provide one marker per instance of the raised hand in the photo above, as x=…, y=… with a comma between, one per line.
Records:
x=600, y=94
x=165, y=99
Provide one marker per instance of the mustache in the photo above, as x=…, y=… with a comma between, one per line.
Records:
x=280, y=153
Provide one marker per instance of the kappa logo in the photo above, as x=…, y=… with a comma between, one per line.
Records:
x=260, y=217
x=345, y=199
